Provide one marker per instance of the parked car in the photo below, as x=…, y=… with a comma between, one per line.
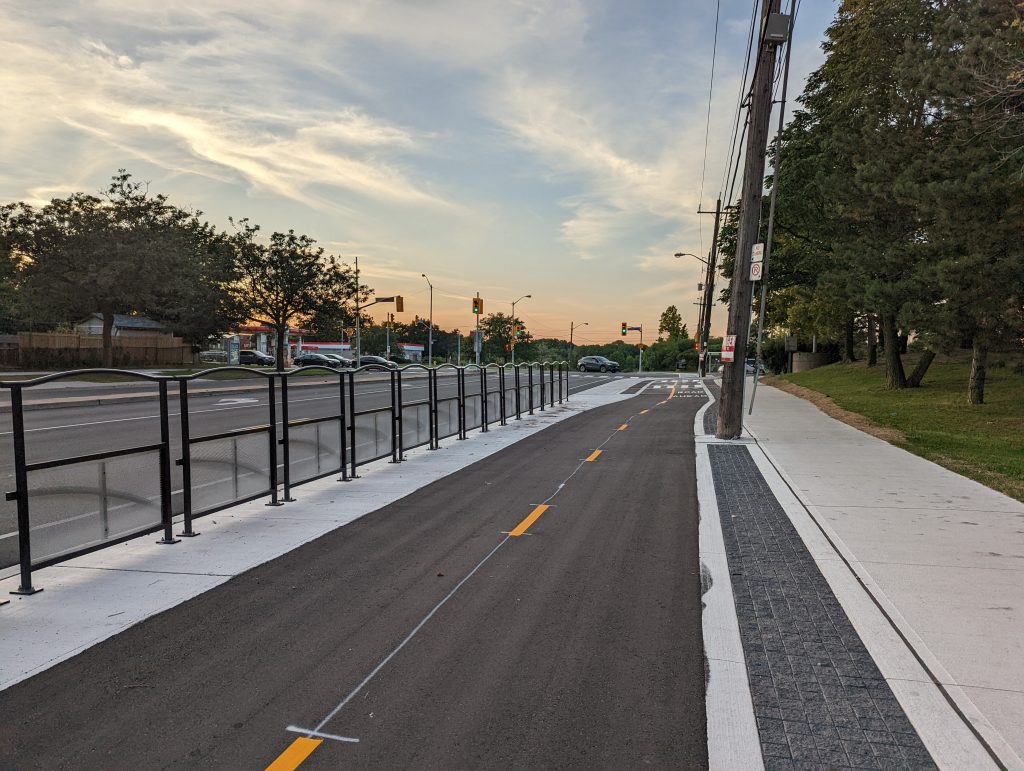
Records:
x=378, y=361
x=597, y=364
x=314, y=360
x=339, y=359
x=258, y=358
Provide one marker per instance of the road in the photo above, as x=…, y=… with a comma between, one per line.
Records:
x=460, y=627
x=81, y=430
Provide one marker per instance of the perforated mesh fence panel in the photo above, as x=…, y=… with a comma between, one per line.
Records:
x=416, y=425
x=81, y=505
x=228, y=470
x=314, y=450
x=373, y=436
x=447, y=418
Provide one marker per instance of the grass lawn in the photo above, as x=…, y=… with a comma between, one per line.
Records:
x=984, y=442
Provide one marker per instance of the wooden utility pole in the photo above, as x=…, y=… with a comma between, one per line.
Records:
x=704, y=329
x=730, y=410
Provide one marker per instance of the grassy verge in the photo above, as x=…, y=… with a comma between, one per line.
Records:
x=984, y=442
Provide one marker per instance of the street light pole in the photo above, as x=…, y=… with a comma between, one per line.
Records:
x=572, y=328
x=430, y=331
x=359, y=341
x=524, y=297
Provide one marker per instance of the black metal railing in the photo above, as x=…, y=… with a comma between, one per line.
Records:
x=308, y=426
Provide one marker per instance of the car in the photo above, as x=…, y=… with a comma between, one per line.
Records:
x=597, y=364
x=750, y=365
x=314, y=360
x=339, y=359
x=376, y=361
x=258, y=358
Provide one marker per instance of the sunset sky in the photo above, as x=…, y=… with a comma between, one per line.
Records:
x=544, y=147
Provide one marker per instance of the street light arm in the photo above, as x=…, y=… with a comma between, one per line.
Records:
x=691, y=254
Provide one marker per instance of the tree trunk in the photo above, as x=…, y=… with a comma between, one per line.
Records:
x=872, y=341
x=108, y=339
x=914, y=381
x=282, y=346
x=904, y=339
x=897, y=378
x=848, y=353
x=979, y=368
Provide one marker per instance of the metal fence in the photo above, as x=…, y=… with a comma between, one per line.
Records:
x=74, y=504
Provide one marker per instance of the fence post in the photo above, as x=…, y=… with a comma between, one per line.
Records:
x=559, y=382
x=273, y=442
x=432, y=407
x=529, y=387
x=540, y=372
x=460, y=377
x=343, y=449
x=568, y=389
x=185, y=461
x=165, y=468
x=352, y=420
x=284, y=442
x=396, y=416
x=501, y=398
x=519, y=415
x=483, y=400
x=21, y=494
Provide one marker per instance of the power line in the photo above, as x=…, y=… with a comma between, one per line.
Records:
x=707, y=124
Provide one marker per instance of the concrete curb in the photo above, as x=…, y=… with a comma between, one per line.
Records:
x=733, y=739
x=67, y=402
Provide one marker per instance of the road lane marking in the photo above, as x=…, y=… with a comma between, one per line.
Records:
x=295, y=755
x=309, y=732
x=534, y=515
x=644, y=412
x=593, y=456
x=624, y=426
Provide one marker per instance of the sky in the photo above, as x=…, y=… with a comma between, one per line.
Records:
x=554, y=148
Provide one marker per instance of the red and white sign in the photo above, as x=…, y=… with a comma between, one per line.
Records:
x=757, y=253
x=729, y=348
x=756, y=270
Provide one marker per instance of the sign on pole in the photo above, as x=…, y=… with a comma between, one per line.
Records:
x=729, y=348
x=756, y=268
x=757, y=253
x=790, y=343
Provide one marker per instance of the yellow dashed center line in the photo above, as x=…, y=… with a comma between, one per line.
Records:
x=593, y=456
x=624, y=426
x=534, y=515
x=297, y=752
x=644, y=412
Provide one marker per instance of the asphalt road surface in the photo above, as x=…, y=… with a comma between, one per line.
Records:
x=215, y=407
x=460, y=627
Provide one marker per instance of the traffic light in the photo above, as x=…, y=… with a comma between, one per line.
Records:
x=478, y=305
x=696, y=343
x=520, y=331
x=399, y=304
x=624, y=325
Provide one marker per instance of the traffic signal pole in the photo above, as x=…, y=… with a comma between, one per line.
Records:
x=730, y=411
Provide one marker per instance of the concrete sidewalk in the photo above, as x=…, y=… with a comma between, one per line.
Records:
x=923, y=560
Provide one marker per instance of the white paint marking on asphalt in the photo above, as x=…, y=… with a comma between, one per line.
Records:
x=310, y=733
x=239, y=400
x=409, y=636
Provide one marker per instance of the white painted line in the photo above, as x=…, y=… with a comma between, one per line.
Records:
x=310, y=733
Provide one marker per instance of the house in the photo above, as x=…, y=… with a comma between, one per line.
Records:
x=124, y=325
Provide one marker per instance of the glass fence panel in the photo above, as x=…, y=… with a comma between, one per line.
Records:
x=84, y=504
x=373, y=436
x=8, y=522
x=415, y=425
x=230, y=469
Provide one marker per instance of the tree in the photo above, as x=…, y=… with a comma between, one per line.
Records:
x=333, y=315
x=125, y=251
x=280, y=280
x=671, y=323
x=498, y=333
x=9, y=262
